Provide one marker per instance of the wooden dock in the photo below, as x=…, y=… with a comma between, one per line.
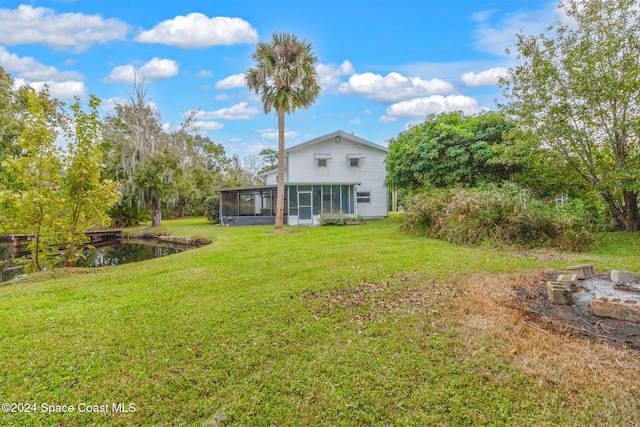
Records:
x=95, y=236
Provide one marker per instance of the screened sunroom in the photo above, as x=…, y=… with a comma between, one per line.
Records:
x=304, y=203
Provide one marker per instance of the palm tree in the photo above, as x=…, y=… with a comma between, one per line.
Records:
x=285, y=78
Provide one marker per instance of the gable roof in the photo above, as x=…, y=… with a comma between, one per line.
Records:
x=342, y=135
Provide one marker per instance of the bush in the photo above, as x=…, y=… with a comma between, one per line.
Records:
x=128, y=215
x=333, y=219
x=496, y=216
x=212, y=209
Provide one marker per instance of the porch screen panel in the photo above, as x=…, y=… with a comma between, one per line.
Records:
x=352, y=198
x=345, y=200
x=317, y=199
x=293, y=200
x=326, y=199
x=247, y=206
x=230, y=204
x=335, y=198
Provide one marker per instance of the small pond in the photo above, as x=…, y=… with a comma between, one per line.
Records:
x=126, y=251
x=102, y=255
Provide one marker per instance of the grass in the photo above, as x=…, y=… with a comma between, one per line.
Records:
x=361, y=325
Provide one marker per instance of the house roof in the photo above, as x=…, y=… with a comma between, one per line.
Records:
x=269, y=172
x=341, y=134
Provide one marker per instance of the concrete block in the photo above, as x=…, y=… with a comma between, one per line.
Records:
x=570, y=281
x=621, y=276
x=558, y=293
x=616, y=308
x=582, y=271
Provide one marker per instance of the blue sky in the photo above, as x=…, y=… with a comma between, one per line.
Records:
x=382, y=64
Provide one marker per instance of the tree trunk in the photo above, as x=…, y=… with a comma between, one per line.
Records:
x=625, y=214
x=631, y=214
x=281, y=166
x=156, y=215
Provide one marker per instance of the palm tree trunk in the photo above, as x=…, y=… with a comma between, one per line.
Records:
x=281, y=166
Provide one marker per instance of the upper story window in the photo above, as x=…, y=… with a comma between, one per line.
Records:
x=355, y=160
x=322, y=160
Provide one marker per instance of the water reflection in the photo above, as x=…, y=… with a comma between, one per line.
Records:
x=124, y=252
x=111, y=253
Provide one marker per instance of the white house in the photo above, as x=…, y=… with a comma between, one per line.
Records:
x=337, y=172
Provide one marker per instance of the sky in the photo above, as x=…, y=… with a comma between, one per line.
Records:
x=382, y=65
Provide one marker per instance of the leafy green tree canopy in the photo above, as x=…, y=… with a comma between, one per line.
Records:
x=450, y=149
x=30, y=184
x=576, y=88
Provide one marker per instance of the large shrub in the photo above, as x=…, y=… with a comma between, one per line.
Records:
x=212, y=209
x=500, y=216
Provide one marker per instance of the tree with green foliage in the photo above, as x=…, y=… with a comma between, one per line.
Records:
x=158, y=169
x=140, y=153
x=31, y=182
x=576, y=88
x=201, y=169
x=86, y=195
x=269, y=159
x=14, y=110
x=449, y=149
x=9, y=125
x=285, y=78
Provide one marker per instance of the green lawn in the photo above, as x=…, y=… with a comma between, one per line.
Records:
x=319, y=326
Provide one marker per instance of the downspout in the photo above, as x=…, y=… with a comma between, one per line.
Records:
x=355, y=199
x=220, y=217
x=387, y=204
x=286, y=166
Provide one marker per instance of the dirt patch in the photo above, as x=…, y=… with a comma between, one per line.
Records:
x=510, y=315
x=371, y=302
x=531, y=298
x=284, y=231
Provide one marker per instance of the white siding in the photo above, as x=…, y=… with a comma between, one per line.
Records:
x=370, y=174
x=271, y=179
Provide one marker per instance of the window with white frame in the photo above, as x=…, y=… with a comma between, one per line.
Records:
x=355, y=160
x=363, y=196
x=322, y=160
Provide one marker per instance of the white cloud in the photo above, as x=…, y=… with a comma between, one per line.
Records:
x=354, y=122
x=329, y=75
x=29, y=69
x=273, y=133
x=494, y=34
x=393, y=87
x=205, y=74
x=485, y=78
x=62, y=31
x=210, y=126
x=60, y=90
x=222, y=97
x=156, y=69
x=421, y=107
x=196, y=31
x=239, y=111
x=110, y=104
x=231, y=82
